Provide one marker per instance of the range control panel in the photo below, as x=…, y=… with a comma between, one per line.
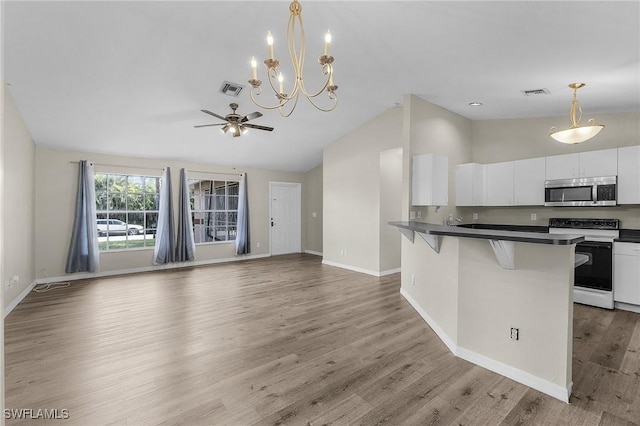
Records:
x=556, y=222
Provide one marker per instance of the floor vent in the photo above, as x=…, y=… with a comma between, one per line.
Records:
x=231, y=89
x=536, y=92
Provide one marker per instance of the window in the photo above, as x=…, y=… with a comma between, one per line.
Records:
x=214, y=206
x=127, y=210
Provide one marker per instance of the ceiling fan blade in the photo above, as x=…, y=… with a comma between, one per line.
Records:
x=214, y=114
x=208, y=125
x=255, y=126
x=251, y=116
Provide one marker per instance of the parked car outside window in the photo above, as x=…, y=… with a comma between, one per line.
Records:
x=117, y=227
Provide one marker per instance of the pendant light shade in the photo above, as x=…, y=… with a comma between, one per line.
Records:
x=576, y=133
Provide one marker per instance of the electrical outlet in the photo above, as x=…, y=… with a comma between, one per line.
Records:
x=8, y=284
x=475, y=216
x=534, y=216
x=412, y=214
x=514, y=334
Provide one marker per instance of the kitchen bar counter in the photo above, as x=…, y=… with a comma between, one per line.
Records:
x=536, y=237
x=498, y=298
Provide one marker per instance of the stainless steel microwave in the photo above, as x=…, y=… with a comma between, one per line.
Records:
x=581, y=192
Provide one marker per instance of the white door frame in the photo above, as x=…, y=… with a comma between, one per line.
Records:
x=298, y=186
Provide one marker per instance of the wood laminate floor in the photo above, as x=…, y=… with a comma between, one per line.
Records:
x=284, y=341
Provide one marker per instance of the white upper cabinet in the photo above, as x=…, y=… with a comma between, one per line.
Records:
x=629, y=175
x=563, y=166
x=599, y=163
x=470, y=184
x=430, y=180
x=584, y=164
x=529, y=177
x=500, y=184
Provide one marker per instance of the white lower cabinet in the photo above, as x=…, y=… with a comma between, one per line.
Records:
x=626, y=273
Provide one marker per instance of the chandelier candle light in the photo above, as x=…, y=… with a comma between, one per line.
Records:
x=576, y=133
x=297, y=60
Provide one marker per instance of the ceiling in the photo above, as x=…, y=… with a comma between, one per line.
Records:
x=130, y=78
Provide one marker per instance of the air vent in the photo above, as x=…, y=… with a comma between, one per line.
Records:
x=231, y=89
x=536, y=92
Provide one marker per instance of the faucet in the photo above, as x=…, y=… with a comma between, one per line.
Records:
x=451, y=221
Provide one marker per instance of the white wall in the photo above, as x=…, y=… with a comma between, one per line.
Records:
x=18, y=199
x=55, y=192
x=351, y=205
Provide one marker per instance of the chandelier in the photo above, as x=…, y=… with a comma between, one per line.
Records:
x=576, y=133
x=286, y=102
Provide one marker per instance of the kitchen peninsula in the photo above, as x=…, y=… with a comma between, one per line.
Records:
x=500, y=299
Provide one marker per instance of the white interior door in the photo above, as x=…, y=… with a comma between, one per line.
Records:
x=285, y=217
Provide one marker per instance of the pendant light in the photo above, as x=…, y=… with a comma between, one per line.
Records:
x=576, y=133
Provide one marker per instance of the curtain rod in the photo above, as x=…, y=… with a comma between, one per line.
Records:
x=119, y=165
x=215, y=173
x=161, y=168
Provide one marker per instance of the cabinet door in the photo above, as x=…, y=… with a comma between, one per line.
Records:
x=469, y=184
x=626, y=276
x=528, y=182
x=499, y=184
x=464, y=184
x=599, y=163
x=629, y=175
x=429, y=182
x=562, y=166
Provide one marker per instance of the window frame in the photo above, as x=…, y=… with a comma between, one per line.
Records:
x=105, y=199
x=207, y=222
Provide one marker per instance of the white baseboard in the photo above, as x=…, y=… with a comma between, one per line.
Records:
x=626, y=307
x=513, y=373
x=389, y=272
x=19, y=299
x=430, y=322
x=351, y=268
x=516, y=374
x=86, y=275
x=316, y=253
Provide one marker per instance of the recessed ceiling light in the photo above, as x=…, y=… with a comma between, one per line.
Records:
x=475, y=103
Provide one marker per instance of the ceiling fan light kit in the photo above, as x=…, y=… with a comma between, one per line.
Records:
x=235, y=123
x=294, y=38
x=576, y=133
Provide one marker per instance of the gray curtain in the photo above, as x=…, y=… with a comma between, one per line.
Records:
x=185, y=246
x=243, y=243
x=84, y=254
x=165, y=232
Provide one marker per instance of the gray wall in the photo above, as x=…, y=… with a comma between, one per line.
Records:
x=351, y=187
x=18, y=200
x=312, y=205
x=55, y=190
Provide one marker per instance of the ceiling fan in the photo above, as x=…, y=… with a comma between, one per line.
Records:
x=235, y=123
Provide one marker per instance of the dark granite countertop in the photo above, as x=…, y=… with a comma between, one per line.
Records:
x=629, y=236
x=496, y=227
x=537, y=237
